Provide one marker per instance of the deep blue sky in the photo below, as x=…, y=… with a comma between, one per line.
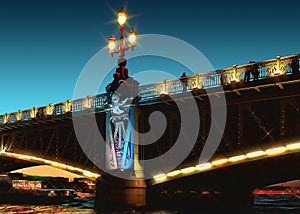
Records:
x=45, y=44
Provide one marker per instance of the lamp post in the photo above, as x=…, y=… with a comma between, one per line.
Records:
x=121, y=97
x=122, y=149
x=112, y=42
x=121, y=75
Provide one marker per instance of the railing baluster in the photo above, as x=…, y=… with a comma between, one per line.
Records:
x=267, y=69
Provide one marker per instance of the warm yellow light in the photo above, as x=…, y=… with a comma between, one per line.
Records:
x=219, y=162
x=49, y=109
x=199, y=86
x=95, y=175
x=173, y=173
x=39, y=159
x=163, y=92
x=122, y=16
x=188, y=170
x=72, y=168
x=87, y=173
x=204, y=166
x=62, y=166
x=47, y=162
x=112, y=43
x=255, y=154
x=132, y=36
x=160, y=176
x=33, y=112
x=234, y=79
x=293, y=146
x=276, y=151
x=237, y=158
x=53, y=163
x=277, y=72
x=23, y=157
x=132, y=39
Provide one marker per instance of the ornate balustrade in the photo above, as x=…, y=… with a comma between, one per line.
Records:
x=279, y=66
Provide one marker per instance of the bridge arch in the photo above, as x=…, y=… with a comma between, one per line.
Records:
x=28, y=161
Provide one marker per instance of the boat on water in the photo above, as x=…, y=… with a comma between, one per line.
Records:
x=32, y=192
x=277, y=190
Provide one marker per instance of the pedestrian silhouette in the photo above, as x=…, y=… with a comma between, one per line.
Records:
x=247, y=75
x=254, y=70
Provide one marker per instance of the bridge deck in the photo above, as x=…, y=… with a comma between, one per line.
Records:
x=275, y=72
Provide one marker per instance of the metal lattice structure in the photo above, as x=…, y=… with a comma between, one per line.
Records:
x=48, y=131
x=224, y=77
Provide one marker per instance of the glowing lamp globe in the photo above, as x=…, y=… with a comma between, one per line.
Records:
x=122, y=17
x=112, y=43
x=132, y=36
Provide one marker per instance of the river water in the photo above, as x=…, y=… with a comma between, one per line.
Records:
x=279, y=204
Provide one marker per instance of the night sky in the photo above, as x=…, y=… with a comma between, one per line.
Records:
x=44, y=45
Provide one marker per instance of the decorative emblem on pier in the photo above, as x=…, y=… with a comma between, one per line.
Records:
x=119, y=133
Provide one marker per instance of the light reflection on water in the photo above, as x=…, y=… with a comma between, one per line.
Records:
x=22, y=209
x=57, y=209
x=279, y=204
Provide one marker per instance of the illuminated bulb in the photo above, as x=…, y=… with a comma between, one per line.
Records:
x=74, y=168
x=200, y=86
x=47, y=162
x=87, y=173
x=163, y=92
x=112, y=46
x=174, y=173
x=122, y=17
x=132, y=36
x=54, y=163
x=255, y=154
x=132, y=39
x=62, y=166
x=39, y=159
x=160, y=176
x=94, y=175
x=234, y=79
x=276, y=151
x=71, y=168
x=204, y=166
x=23, y=157
x=277, y=72
x=237, y=158
x=188, y=170
x=293, y=146
x=219, y=162
x=112, y=43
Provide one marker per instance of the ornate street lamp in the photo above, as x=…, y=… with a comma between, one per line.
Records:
x=112, y=42
x=121, y=94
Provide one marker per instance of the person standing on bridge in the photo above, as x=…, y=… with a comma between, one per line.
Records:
x=255, y=70
x=247, y=74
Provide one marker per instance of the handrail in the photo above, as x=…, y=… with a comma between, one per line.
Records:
x=286, y=65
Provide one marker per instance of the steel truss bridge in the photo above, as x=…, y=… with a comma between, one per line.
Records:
x=261, y=133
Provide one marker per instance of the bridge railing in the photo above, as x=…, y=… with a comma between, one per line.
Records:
x=288, y=65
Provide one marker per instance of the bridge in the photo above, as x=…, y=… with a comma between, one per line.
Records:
x=260, y=144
